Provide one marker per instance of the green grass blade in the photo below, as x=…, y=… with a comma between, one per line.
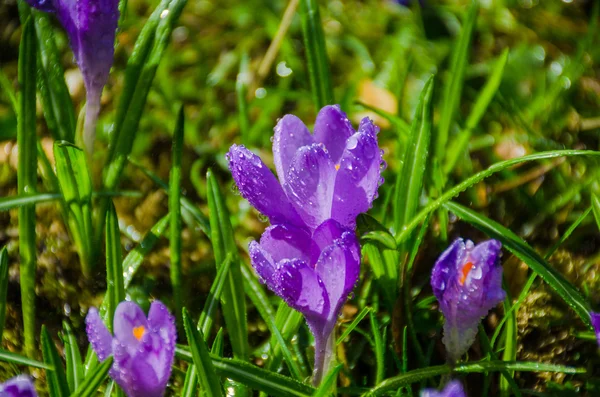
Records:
x=255, y=377
x=328, y=382
x=223, y=243
x=73, y=358
x=139, y=74
x=467, y=183
x=209, y=382
x=287, y=321
x=257, y=295
x=410, y=181
x=481, y=104
x=134, y=259
x=596, y=208
x=8, y=90
x=3, y=287
x=379, y=349
x=316, y=54
x=27, y=180
x=56, y=378
x=454, y=85
x=56, y=99
x=76, y=187
x=186, y=205
x=89, y=387
x=359, y=317
x=523, y=251
x=175, y=210
x=18, y=359
x=115, y=285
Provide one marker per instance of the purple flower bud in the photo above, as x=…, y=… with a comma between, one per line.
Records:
x=467, y=282
x=19, y=386
x=143, y=348
x=595, y=317
x=452, y=389
x=310, y=256
x=91, y=26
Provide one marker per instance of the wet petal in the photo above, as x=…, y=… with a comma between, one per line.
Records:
x=162, y=323
x=332, y=128
x=358, y=177
x=453, y=389
x=324, y=236
x=42, y=5
x=310, y=183
x=258, y=185
x=290, y=135
x=19, y=386
x=301, y=288
x=98, y=335
x=130, y=324
x=151, y=367
x=286, y=242
x=339, y=268
x=262, y=263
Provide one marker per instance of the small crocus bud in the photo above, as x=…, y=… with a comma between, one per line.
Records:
x=310, y=255
x=143, y=348
x=20, y=386
x=91, y=26
x=595, y=317
x=467, y=282
x=452, y=389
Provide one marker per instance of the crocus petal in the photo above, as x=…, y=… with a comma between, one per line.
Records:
x=301, y=288
x=467, y=281
x=258, y=185
x=130, y=324
x=339, y=267
x=162, y=323
x=290, y=135
x=19, y=386
x=262, y=263
x=453, y=389
x=98, y=335
x=151, y=367
x=324, y=236
x=595, y=317
x=286, y=242
x=358, y=176
x=332, y=128
x=309, y=184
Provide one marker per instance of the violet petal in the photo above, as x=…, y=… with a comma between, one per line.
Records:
x=332, y=128
x=262, y=263
x=286, y=242
x=324, y=236
x=98, y=335
x=595, y=317
x=130, y=324
x=309, y=184
x=258, y=185
x=358, y=176
x=19, y=386
x=453, y=389
x=290, y=135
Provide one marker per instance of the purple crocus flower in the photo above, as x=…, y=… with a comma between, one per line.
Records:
x=19, y=386
x=595, y=317
x=91, y=26
x=467, y=282
x=143, y=348
x=452, y=389
x=310, y=255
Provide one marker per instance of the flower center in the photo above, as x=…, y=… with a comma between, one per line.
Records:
x=466, y=269
x=139, y=332
x=337, y=167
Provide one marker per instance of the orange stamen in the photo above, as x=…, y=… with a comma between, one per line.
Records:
x=465, y=272
x=138, y=332
x=337, y=167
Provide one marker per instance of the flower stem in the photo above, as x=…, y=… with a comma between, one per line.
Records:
x=324, y=357
x=92, y=110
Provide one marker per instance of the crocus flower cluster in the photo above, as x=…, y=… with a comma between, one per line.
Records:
x=452, y=389
x=91, y=26
x=310, y=255
x=19, y=386
x=143, y=348
x=467, y=282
